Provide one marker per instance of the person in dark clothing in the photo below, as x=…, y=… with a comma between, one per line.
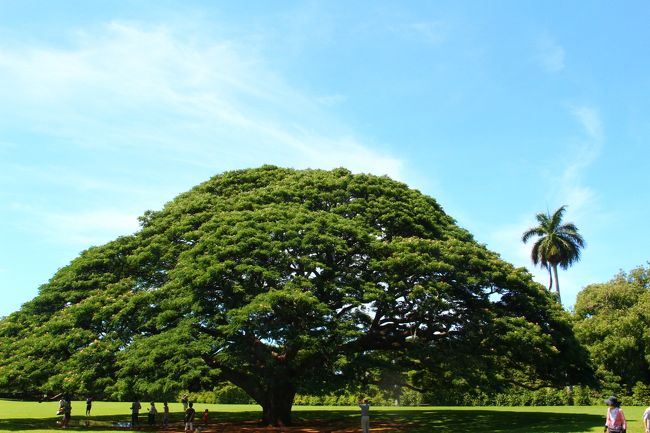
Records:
x=189, y=418
x=89, y=405
x=152, y=413
x=135, y=412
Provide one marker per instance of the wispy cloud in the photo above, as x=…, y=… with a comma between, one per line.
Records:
x=60, y=177
x=77, y=229
x=590, y=121
x=550, y=54
x=185, y=97
x=582, y=153
x=153, y=110
x=507, y=238
x=566, y=184
x=431, y=32
x=89, y=228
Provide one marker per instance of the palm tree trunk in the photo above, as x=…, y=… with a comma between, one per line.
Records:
x=550, y=279
x=557, y=283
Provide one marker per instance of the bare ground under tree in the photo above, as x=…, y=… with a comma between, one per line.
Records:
x=312, y=426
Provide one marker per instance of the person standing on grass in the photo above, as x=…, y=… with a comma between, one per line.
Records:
x=89, y=405
x=189, y=418
x=65, y=407
x=206, y=417
x=165, y=414
x=365, y=415
x=615, y=422
x=646, y=420
x=61, y=410
x=135, y=412
x=152, y=413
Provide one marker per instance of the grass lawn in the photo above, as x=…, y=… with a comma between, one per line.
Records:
x=110, y=417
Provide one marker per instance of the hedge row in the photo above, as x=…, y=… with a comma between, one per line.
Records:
x=640, y=396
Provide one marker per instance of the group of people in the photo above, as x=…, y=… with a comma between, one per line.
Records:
x=65, y=409
x=188, y=408
x=190, y=414
x=151, y=414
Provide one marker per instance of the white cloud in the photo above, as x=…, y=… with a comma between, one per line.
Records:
x=88, y=227
x=550, y=55
x=590, y=121
x=183, y=97
x=581, y=154
x=77, y=228
x=65, y=180
x=507, y=238
x=124, y=117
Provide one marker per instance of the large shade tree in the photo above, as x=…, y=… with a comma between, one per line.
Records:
x=557, y=244
x=283, y=281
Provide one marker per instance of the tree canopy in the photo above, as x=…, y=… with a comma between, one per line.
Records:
x=613, y=323
x=283, y=281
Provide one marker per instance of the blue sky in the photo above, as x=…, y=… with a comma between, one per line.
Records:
x=499, y=110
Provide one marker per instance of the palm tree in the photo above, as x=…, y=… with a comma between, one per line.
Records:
x=557, y=244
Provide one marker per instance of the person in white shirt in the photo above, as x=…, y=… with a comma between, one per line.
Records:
x=646, y=420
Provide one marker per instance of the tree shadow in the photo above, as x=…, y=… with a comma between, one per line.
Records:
x=484, y=420
x=115, y=422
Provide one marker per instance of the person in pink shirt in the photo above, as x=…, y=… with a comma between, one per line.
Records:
x=615, y=422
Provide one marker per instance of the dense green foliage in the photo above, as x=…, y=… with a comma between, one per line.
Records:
x=283, y=282
x=613, y=323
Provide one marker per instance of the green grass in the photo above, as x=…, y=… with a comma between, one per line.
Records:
x=40, y=417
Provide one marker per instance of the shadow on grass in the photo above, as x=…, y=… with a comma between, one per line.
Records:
x=385, y=421
x=499, y=421
x=116, y=422
x=466, y=421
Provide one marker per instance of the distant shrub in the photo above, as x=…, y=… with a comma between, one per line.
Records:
x=223, y=393
x=640, y=395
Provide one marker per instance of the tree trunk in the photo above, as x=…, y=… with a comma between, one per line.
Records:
x=550, y=279
x=557, y=283
x=276, y=405
x=275, y=395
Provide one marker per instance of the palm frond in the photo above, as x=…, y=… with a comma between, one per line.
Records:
x=557, y=244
